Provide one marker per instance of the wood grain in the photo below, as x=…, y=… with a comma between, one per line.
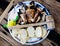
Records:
x=1, y=11
x=4, y=42
x=6, y=11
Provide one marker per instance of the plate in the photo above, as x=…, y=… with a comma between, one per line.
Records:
x=12, y=17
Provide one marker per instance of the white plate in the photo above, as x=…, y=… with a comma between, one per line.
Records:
x=12, y=17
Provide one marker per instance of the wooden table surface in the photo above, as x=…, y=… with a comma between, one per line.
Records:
x=54, y=8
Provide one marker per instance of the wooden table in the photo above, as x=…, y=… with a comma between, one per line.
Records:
x=1, y=11
x=54, y=8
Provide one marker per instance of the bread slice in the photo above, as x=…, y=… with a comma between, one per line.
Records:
x=23, y=36
x=14, y=32
x=31, y=31
x=38, y=32
x=44, y=32
x=23, y=33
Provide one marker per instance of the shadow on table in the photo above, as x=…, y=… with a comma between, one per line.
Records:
x=54, y=36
